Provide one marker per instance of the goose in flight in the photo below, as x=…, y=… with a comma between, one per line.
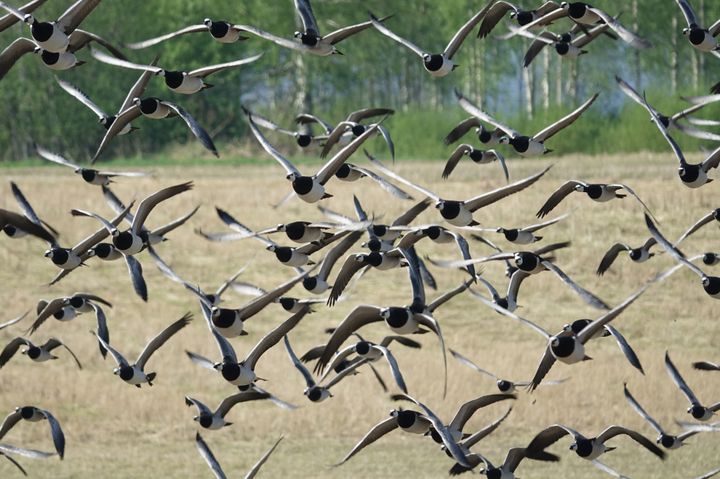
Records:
x=135, y=373
x=436, y=64
x=526, y=145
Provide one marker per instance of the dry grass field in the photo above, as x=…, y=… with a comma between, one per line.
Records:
x=114, y=430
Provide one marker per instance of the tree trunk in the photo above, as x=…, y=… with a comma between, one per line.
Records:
x=545, y=82
x=674, y=57
x=636, y=52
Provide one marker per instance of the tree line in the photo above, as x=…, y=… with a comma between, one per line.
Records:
x=373, y=71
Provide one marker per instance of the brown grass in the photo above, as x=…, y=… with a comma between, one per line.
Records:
x=115, y=430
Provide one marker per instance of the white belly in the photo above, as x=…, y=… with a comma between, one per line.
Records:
x=138, y=377
x=320, y=287
x=409, y=327
x=444, y=237
x=68, y=313
x=708, y=44
x=354, y=175
x=57, y=43
x=699, y=181
x=597, y=451
x=315, y=194
x=588, y=18
x=535, y=148
x=72, y=262
x=189, y=85
x=577, y=355
x=309, y=235
x=44, y=356
x=246, y=377
x=65, y=62
x=135, y=247
x=420, y=426
x=464, y=218
x=232, y=331
x=231, y=36
x=573, y=52
x=16, y=233
x=100, y=180
x=389, y=262
x=524, y=237
x=444, y=70
x=217, y=423
x=323, y=49
x=162, y=111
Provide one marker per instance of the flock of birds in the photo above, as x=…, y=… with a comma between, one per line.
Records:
x=359, y=244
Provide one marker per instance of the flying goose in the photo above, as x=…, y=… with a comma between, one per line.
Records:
x=214, y=465
x=89, y=175
x=310, y=40
x=523, y=235
x=668, y=441
x=68, y=259
x=671, y=122
x=460, y=213
x=34, y=414
x=691, y=175
x=155, y=109
x=568, y=346
x=317, y=351
x=530, y=263
x=484, y=135
x=567, y=45
x=523, y=144
x=316, y=392
x=436, y=64
x=67, y=307
x=401, y=320
x=185, y=82
x=504, y=385
x=521, y=16
x=506, y=470
x=599, y=192
x=230, y=322
x=318, y=283
x=508, y=302
x=150, y=237
x=466, y=411
x=477, y=156
x=16, y=222
x=220, y=30
x=15, y=231
x=311, y=189
x=588, y=448
x=711, y=284
x=303, y=137
x=446, y=435
x=242, y=373
x=351, y=128
x=135, y=374
x=213, y=299
x=703, y=39
x=8, y=20
x=586, y=14
x=130, y=241
x=696, y=409
x=136, y=91
x=55, y=61
x=637, y=255
x=383, y=236
x=366, y=352
x=287, y=255
x=38, y=353
x=708, y=218
x=213, y=420
x=55, y=36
